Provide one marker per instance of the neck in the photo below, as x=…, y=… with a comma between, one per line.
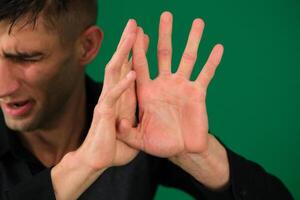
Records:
x=49, y=146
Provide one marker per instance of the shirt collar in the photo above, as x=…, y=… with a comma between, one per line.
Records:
x=93, y=91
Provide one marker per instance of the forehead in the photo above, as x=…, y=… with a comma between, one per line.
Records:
x=24, y=37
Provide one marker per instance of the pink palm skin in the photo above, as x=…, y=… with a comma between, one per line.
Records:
x=172, y=109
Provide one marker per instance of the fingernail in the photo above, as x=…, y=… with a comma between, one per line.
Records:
x=167, y=16
x=130, y=21
x=198, y=23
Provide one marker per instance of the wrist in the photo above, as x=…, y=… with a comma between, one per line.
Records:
x=210, y=167
x=71, y=177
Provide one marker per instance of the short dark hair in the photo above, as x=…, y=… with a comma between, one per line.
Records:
x=67, y=17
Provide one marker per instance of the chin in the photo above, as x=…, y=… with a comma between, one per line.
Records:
x=21, y=125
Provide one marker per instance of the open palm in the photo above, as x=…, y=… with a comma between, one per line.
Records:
x=173, y=117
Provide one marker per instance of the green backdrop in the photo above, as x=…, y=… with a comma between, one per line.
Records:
x=253, y=101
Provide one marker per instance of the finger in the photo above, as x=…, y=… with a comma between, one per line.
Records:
x=164, y=47
x=139, y=60
x=208, y=71
x=129, y=135
x=129, y=96
x=107, y=103
x=129, y=28
x=127, y=101
x=189, y=56
x=113, y=68
x=127, y=66
x=112, y=96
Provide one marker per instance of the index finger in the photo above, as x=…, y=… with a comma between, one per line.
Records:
x=130, y=28
x=113, y=68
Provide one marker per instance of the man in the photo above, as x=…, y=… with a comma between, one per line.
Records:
x=60, y=141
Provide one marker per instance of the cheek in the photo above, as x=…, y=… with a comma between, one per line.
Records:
x=49, y=83
x=42, y=81
x=38, y=77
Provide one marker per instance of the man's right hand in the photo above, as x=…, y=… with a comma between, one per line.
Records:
x=101, y=149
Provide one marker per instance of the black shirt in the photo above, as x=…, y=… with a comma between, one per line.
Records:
x=22, y=176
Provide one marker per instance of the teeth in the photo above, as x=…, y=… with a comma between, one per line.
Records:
x=18, y=105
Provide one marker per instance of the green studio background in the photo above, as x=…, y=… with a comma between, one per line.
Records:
x=253, y=101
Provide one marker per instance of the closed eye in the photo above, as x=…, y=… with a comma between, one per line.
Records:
x=24, y=57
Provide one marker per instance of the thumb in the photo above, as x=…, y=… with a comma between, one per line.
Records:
x=130, y=135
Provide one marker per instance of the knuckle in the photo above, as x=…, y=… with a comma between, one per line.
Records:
x=164, y=52
x=138, y=56
x=110, y=69
x=103, y=110
x=210, y=69
x=189, y=57
x=97, y=109
x=122, y=53
x=211, y=64
x=139, y=60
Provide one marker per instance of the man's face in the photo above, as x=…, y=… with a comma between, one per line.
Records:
x=38, y=76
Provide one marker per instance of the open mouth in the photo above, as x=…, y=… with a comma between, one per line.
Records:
x=17, y=109
x=18, y=104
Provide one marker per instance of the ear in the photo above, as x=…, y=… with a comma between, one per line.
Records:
x=89, y=44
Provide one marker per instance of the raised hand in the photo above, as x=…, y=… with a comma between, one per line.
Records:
x=101, y=148
x=173, y=117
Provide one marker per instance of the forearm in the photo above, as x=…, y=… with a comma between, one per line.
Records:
x=210, y=168
x=70, y=178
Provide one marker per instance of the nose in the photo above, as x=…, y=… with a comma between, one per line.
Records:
x=8, y=80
